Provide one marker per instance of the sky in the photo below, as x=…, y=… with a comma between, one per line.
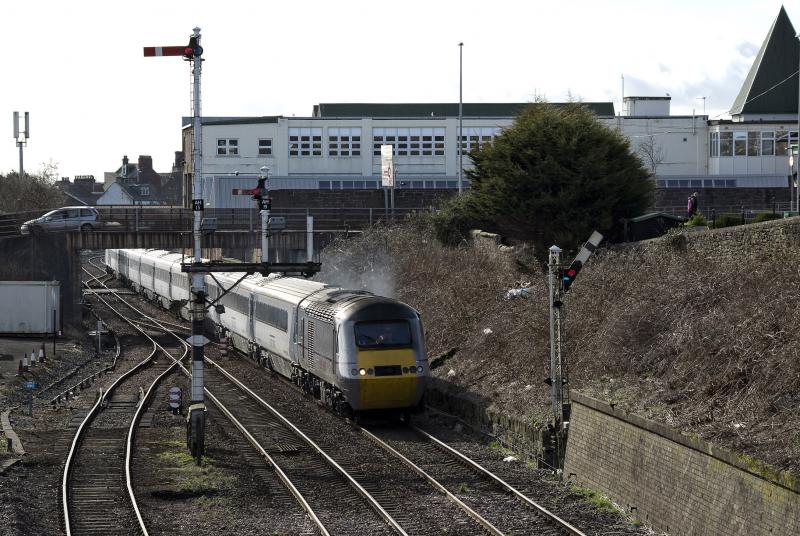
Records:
x=78, y=67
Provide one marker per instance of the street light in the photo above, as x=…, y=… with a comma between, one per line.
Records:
x=793, y=178
x=460, y=117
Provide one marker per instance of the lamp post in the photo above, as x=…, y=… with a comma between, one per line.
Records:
x=794, y=175
x=791, y=180
x=797, y=186
x=460, y=117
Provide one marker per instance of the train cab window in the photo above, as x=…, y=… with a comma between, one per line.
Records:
x=384, y=334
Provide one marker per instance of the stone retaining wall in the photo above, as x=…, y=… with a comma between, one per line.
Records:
x=676, y=483
x=525, y=439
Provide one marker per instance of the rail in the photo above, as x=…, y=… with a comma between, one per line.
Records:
x=271, y=463
x=68, y=467
x=500, y=482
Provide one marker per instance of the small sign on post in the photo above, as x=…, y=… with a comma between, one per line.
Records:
x=197, y=205
x=30, y=386
x=387, y=167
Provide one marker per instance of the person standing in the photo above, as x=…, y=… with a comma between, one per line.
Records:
x=692, y=206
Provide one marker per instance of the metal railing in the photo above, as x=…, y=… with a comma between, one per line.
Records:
x=178, y=219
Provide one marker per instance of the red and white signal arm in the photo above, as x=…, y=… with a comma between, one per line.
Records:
x=163, y=51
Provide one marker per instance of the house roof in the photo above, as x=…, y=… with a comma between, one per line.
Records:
x=771, y=85
x=86, y=199
x=441, y=109
x=187, y=121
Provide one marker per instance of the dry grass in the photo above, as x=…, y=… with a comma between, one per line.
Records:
x=707, y=347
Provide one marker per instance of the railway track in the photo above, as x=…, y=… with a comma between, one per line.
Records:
x=97, y=492
x=97, y=481
x=475, y=500
x=499, y=507
x=320, y=486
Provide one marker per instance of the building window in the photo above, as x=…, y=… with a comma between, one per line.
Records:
x=713, y=149
x=227, y=147
x=305, y=142
x=753, y=143
x=344, y=141
x=768, y=143
x=265, y=147
x=409, y=141
x=781, y=142
x=475, y=137
x=726, y=143
x=740, y=143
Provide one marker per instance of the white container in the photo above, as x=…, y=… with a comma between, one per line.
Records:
x=26, y=307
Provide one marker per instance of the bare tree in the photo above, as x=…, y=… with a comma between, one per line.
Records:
x=651, y=153
x=31, y=192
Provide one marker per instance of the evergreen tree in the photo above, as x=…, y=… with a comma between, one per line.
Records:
x=551, y=178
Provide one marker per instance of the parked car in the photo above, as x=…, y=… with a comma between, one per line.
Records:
x=84, y=219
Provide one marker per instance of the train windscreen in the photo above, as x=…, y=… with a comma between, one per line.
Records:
x=383, y=334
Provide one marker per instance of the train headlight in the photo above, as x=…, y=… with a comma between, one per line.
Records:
x=362, y=372
x=370, y=371
x=420, y=369
x=412, y=369
x=354, y=372
x=405, y=370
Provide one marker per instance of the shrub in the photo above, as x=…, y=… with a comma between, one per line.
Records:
x=698, y=220
x=551, y=178
x=766, y=216
x=727, y=220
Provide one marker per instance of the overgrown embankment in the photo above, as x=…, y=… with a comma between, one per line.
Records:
x=699, y=331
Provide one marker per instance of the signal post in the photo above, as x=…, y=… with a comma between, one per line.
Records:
x=560, y=280
x=198, y=268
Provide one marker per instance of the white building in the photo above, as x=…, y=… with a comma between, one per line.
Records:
x=338, y=146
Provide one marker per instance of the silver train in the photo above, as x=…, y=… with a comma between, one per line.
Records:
x=351, y=349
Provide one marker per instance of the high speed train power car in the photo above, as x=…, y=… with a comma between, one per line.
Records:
x=352, y=349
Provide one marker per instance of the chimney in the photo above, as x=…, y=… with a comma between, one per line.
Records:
x=145, y=164
x=125, y=166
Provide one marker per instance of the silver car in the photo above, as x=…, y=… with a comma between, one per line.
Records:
x=84, y=219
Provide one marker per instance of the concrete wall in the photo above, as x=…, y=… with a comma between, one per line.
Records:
x=44, y=258
x=676, y=483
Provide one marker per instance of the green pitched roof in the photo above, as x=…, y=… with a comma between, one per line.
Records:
x=777, y=60
x=441, y=109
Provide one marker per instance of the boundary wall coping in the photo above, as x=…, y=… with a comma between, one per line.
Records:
x=746, y=463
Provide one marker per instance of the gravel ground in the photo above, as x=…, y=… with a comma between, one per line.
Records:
x=231, y=493
x=30, y=499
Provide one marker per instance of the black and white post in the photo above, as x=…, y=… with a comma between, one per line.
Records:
x=197, y=410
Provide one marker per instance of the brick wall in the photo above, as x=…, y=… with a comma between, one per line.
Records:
x=403, y=198
x=676, y=483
